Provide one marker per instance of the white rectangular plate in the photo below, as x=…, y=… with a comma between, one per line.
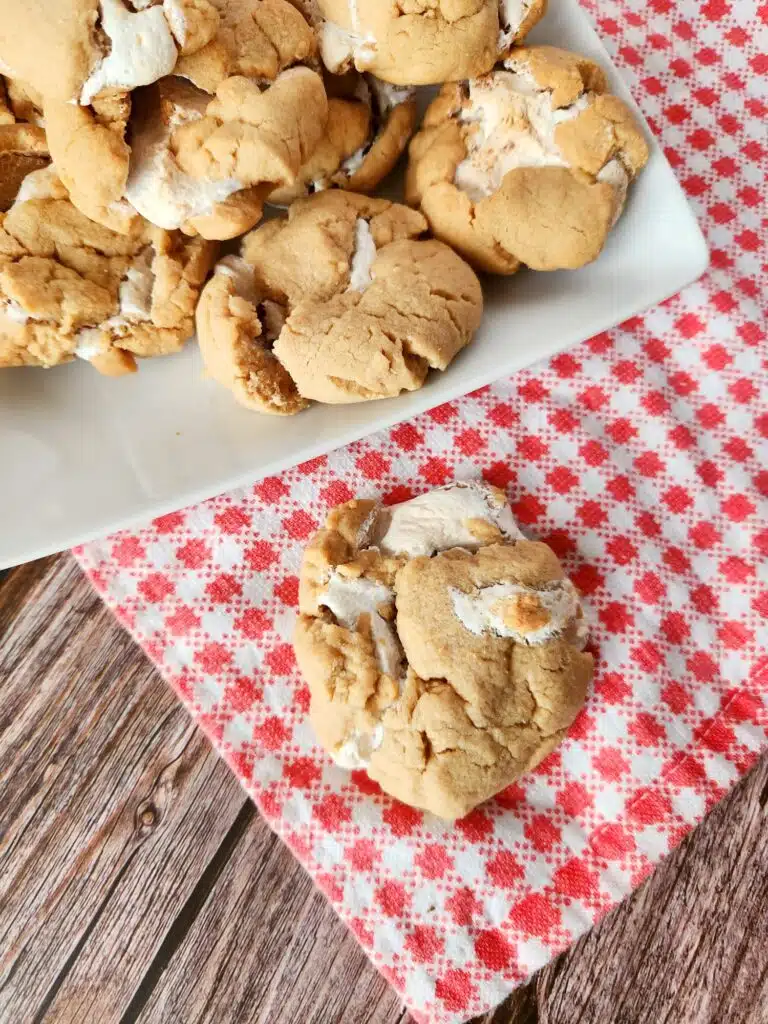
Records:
x=82, y=455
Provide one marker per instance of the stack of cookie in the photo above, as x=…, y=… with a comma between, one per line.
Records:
x=137, y=135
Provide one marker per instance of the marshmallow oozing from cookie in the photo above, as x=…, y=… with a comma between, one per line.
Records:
x=75, y=50
x=443, y=651
x=427, y=43
x=256, y=39
x=142, y=57
x=85, y=58
x=206, y=165
x=189, y=170
x=529, y=164
x=70, y=287
x=369, y=307
x=369, y=125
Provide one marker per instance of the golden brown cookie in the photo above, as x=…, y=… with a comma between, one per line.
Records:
x=256, y=39
x=527, y=165
x=92, y=156
x=369, y=125
x=443, y=651
x=88, y=58
x=368, y=306
x=423, y=42
x=23, y=149
x=71, y=287
x=118, y=118
x=206, y=165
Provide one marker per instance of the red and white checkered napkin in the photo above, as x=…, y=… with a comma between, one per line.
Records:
x=638, y=458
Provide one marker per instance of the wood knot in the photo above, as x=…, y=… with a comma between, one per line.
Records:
x=147, y=815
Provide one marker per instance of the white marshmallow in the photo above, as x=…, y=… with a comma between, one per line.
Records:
x=389, y=96
x=356, y=750
x=340, y=47
x=512, y=14
x=437, y=521
x=158, y=188
x=353, y=163
x=348, y=599
x=13, y=311
x=477, y=611
x=498, y=104
x=362, y=257
x=136, y=287
x=90, y=343
x=142, y=50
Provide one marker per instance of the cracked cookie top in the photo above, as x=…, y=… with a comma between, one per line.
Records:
x=207, y=165
x=341, y=301
x=118, y=107
x=77, y=50
x=529, y=164
x=255, y=38
x=70, y=287
x=369, y=125
x=423, y=42
x=443, y=651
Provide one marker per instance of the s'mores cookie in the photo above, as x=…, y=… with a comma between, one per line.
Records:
x=115, y=78
x=443, y=650
x=340, y=301
x=422, y=43
x=71, y=288
x=529, y=164
x=369, y=125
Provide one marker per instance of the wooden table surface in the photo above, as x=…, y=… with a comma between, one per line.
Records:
x=137, y=883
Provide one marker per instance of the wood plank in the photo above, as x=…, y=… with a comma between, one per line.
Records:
x=522, y=1007
x=691, y=946
x=113, y=803
x=136, y=882
x=267, y=948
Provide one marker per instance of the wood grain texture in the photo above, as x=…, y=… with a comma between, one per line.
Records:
x=106, y=816
x=266, y=947
x=137, y=883
x=692, y=944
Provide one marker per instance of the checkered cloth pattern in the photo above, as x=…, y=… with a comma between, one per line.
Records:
x=641, y=457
